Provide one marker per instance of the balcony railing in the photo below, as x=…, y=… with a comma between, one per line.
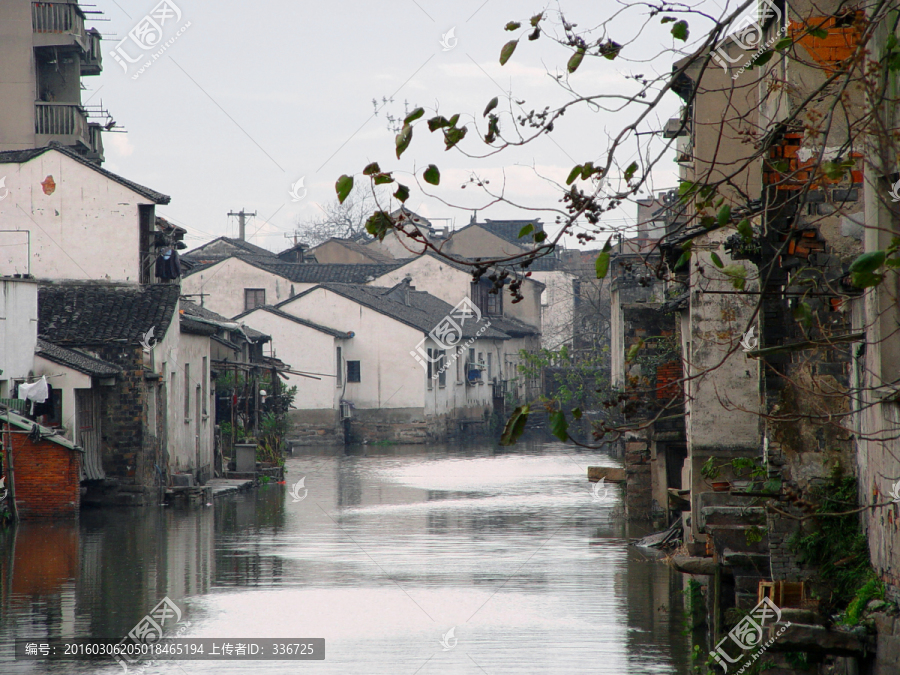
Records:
x=63, y=122
x=58, y=24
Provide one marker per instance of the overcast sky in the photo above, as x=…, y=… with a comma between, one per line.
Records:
x=251, y=97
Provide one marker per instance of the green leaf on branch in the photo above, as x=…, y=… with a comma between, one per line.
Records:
x=371, y=169
x=803, y=314
x=378, y=224
x=680, y=31
x=633, y=351
x=576, y=413
x=540, y=237
x=763, y=58
x=737, y=274
x=382, y=178
x=536, y=19
x=863, y=270
x=507, y=51
x=668, y=19
x=610, y=49
x=343, y=186
x=403, y=139
x=783, y=43
x=602, y=265
x=575, y=61
x=573, y=174
x=402, y=193
x=493, y=103
x=820, y=33
x=515, y=425
x=683, y=259
x=438, y=122
x=453, y=120
x=512, y=25
x=724, y=215
x=454, y=135
x=587, y=170
x=559, y=426
x=745, y=230
x=414, y=115
x=868, y=262
x=631, y=170
x=525, y=231
x=608, y=245
x=717, y=261
x=432, y=175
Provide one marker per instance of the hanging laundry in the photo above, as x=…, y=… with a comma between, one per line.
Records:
x=47, y=407
x=168, y=265
x=36, y=392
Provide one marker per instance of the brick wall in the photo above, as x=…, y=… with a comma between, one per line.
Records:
x=46, y=478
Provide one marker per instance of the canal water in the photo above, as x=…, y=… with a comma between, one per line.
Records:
x=408, y=560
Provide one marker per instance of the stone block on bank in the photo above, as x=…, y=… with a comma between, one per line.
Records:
x=611, y=474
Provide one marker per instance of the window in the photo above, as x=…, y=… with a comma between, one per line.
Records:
x=187, y=392
x=460, y=359
x=472, y=355
x=253, y=298
x=339, y=367
x=429, y=368
x=489, y=303
x=353, y=371
x=490, y=368
x=442, y=371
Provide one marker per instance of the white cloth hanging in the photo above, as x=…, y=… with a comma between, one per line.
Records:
x=36, y=392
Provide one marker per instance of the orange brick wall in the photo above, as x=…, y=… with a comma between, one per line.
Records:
x=46, y=478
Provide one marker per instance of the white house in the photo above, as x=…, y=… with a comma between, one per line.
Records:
x=66, y=218
x=395, y=380
x=452, y=283
x=239, y=283
x=18, y=330
x=312, y=351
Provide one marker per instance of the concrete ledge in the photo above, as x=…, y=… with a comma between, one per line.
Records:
x=610, y=473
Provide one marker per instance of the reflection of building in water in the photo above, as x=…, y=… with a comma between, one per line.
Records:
x=255, y=520
x=99, y=577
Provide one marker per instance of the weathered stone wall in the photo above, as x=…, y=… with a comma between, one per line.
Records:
x=123, y=412
x=638, y=479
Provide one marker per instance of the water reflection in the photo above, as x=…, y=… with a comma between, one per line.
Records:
x=391, y=548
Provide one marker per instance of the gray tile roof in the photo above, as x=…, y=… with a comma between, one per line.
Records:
x=223, y=247
x=304, y=322
x=22, y=156
x=377, y=256
x=193, y=309
x=311, y=273
x=423, y=312
x=81, y=313
x=77, y=360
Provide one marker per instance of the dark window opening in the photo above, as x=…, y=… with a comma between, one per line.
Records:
x=253, y=298
x=353, y=371
x=490, y=303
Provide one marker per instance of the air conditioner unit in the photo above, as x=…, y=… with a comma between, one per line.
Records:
x=346, y=409
x=474, y=373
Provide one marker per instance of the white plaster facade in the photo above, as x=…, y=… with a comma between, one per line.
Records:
x=70, y=227
x=182, y=361
x=308, y=350
x=18, y=330
x=224, y=284
x=390, y=376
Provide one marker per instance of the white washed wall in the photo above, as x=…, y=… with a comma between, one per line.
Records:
x=86, y=229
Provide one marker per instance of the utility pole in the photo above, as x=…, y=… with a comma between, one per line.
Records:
x=242, y=221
